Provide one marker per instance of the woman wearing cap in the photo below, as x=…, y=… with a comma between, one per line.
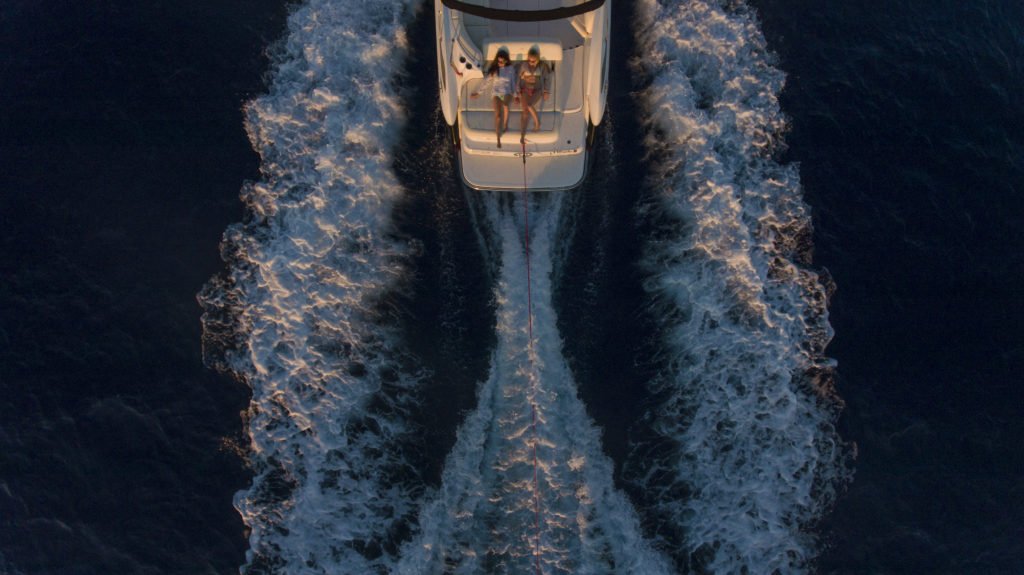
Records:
x=501, y=75
x=532, y=86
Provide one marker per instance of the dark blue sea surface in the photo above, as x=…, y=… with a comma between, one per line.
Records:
x=908, y=123
x=121, y=154
x=122, y=151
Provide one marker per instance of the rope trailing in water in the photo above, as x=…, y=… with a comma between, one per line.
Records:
x=533, y=402
x=526, y=226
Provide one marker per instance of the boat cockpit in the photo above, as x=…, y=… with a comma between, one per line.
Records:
x=572, y=42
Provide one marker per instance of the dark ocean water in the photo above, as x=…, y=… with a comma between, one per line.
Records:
x=908, y=123
x=122, y=151
x=121, y=155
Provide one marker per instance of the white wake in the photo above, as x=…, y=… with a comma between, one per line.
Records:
x=490, y=516
x=309, y=275
x=746, y=456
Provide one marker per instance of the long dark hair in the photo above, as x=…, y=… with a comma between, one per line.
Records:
x=492, y=69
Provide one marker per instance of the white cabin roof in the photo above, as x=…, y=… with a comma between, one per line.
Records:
x=570, y=32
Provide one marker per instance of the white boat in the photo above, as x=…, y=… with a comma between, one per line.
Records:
x=572, y=39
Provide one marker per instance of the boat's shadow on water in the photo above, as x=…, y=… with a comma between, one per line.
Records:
x=447, y=302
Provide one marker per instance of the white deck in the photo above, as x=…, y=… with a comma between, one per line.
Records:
x=505, y=173
x=559, y=133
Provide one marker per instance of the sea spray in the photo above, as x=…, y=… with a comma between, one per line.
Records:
x=301, y=314
x=740, y=456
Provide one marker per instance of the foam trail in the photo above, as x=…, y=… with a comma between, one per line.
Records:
x=482, y=520
x=743, y=457
x=303, y=305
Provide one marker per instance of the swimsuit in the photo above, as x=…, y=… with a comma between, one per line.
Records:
x=529, y=78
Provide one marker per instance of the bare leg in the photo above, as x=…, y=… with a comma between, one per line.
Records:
x=530, y=105
x=536, y=120
x=497, y=118
x=507, y=101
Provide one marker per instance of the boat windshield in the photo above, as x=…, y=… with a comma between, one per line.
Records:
x=524, y=15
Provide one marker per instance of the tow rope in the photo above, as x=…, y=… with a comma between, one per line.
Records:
x=529, y=322
x=526, y=226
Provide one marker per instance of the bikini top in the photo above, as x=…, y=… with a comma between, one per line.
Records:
x=531, y=76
